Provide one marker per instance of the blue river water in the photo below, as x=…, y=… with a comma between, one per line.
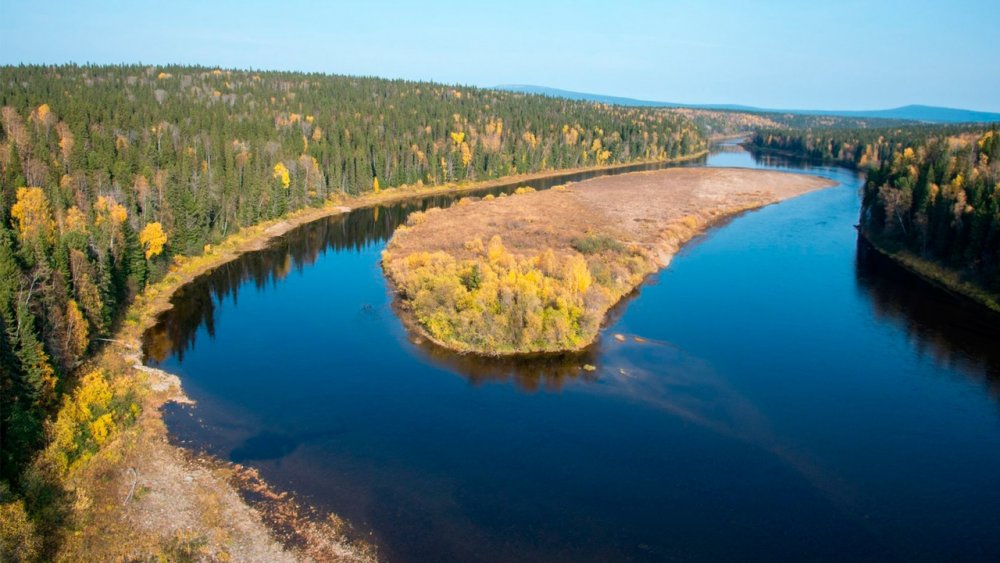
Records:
x=782, y=393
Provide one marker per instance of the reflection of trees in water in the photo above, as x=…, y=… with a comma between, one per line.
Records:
x=194, y=305
x=728, y=147
x=958, y=335
x=780, y=161
x=792, y=163
x=529, y=373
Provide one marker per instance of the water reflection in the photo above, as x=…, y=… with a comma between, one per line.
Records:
x=769, y=160
x=529, y=374
x=194, y=305
x=958, y=335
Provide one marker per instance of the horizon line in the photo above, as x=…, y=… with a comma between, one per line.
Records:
x=719, y=106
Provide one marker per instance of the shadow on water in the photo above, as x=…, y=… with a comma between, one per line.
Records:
x=957, y=334
x=266, y=445
x=529, y=373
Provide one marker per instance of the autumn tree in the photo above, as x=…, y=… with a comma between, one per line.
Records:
x=153, y=239
x=281, y=174
x=34, y=218
x=77, y=333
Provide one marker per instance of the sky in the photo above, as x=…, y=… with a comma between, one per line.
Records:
x=847, y=54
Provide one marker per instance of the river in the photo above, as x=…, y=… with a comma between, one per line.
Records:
x=790, y=395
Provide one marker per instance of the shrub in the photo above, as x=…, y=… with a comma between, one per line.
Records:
x=592, y=244
x=89, y=417
x=18, y=541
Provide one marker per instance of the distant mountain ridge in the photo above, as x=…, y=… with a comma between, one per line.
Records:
x=930, y=114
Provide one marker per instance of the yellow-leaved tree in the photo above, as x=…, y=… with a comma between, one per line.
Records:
x=466, y=154
x=375, y=187
x=281, y=173
x=153, y=239
x=110, y=216
x=43, y=112
x=74, y=221
x=110, y=211
x=77, y=330
x=31, y=210
x=530, y=138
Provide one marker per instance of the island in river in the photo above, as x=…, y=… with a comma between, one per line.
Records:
x=536, y=272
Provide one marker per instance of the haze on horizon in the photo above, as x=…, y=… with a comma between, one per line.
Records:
x=851, y=55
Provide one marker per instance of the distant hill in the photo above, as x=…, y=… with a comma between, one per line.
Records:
x=929, y=114
x=616, y=100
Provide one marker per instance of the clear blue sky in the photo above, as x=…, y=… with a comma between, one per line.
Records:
x=843, y=54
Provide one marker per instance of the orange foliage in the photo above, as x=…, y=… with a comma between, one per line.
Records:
x=109, y=211
x=530, y=138
x=74, y=221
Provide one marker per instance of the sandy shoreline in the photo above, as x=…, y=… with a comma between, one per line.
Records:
x=648, y=216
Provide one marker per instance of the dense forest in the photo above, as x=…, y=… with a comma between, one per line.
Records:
x=861, y=144
x=109, y=172
x=776, y=128
x=931, y=190
x=941, y=200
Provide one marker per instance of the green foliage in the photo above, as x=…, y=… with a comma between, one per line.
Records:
x=593, y=244
x=733, y=122
x=863, y=147
x=472, y=278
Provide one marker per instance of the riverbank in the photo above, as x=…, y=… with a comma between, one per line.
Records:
x=537, y=272
x=141, y=495
x=937, y=275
